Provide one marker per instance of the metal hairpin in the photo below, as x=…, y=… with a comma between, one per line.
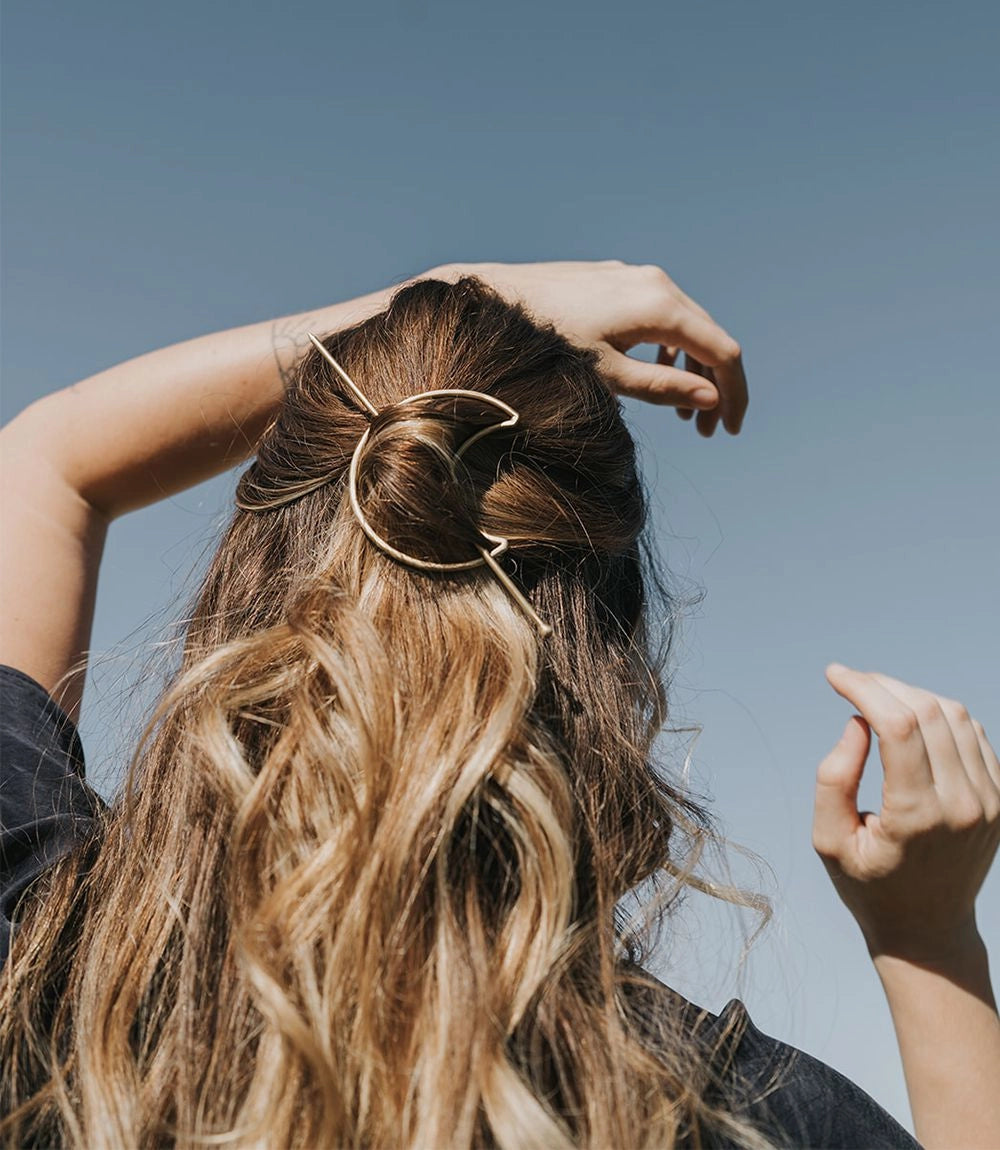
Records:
x=486, y=556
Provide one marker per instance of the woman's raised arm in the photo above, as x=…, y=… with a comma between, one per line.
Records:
x=122, y=439
x=155, y=425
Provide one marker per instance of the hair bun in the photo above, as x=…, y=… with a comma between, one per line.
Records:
x=410, y=486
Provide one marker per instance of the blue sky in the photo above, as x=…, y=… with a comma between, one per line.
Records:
x=821, y=177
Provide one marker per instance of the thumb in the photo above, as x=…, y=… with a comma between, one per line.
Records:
x=836, y=815
x=658, y=382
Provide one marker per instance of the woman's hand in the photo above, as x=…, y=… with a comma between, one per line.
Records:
x=909, y=874
x=612, y=306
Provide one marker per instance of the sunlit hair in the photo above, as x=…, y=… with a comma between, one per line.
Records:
x=360, y=888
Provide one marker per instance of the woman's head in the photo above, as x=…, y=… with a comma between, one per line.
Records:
x=561, y=486
x=362, y=887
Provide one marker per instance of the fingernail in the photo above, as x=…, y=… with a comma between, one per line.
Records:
x=705, y=395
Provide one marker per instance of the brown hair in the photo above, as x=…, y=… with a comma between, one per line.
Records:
x=360, y=887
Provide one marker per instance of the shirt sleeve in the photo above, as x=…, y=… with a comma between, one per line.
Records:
x=46, y=805
x=798, y=1101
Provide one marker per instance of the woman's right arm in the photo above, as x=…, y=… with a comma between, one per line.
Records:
x=910, y=875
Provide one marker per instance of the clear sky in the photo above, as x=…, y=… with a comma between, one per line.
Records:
x=822, y=177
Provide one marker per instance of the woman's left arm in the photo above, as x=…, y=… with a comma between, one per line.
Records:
x=158, y=424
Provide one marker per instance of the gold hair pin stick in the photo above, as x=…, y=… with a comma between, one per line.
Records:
x=486, y=556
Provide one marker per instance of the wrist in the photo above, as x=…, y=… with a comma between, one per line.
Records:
x=925, y=944
x=949, y=953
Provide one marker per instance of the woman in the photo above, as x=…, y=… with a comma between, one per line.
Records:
x=360, y=888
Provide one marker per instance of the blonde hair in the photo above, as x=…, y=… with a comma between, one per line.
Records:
x=360, y=886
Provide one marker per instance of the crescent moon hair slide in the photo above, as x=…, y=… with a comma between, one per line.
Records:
x=487, y=556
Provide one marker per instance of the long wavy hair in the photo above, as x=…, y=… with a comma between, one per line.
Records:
x=361, y=886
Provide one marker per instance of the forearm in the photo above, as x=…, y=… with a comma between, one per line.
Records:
x=946, y=1022
x=164, y=421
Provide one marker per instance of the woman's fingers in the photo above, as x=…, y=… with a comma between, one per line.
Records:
x=901, y=744
x=667, y=356
x=708, y=417
x=987, y=783
x=707, y=420
x=947, y=768
x=659, y=383
x=670, y=318
x=720, y=357
x=957, y=760
x=613, y=306
x=836, y=816
x=731, y=381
